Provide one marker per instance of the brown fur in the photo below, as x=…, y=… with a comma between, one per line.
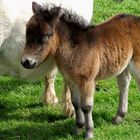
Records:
x=85, y=54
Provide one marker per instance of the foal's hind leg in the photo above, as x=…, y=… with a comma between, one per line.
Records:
x=123, y=83
x=134, y=67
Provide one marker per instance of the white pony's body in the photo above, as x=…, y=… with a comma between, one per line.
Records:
x=13, y=17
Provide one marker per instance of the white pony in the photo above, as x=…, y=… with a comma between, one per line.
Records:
x=13, y=17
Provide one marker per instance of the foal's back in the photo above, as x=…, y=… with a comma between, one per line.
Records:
x=114, y=44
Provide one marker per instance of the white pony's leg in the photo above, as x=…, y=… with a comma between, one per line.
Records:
x=49, y=96
x=68, y=107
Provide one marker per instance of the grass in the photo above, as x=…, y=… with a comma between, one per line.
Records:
x=24, y=117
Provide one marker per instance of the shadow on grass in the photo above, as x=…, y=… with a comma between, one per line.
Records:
x=38, y=113
x=7, y=106
x=46, y=126
x=39, y=131
x=38, y=125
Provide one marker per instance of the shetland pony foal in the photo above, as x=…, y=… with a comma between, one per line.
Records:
x=85, y=54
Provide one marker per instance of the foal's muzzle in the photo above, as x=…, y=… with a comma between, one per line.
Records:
x=28, y=63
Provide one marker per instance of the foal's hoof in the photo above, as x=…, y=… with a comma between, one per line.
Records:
x=117, y=120
x=88, y=135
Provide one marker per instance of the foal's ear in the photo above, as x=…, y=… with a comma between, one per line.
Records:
x=56, y=12
x=35, y=7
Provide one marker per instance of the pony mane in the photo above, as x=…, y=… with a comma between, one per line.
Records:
x=68, y=16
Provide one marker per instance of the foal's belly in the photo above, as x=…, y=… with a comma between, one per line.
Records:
x=111, y=73
x=114, y=66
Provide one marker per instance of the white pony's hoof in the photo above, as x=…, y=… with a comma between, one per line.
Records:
x=49, y=98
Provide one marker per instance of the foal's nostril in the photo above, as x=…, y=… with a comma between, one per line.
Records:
x=28, y=63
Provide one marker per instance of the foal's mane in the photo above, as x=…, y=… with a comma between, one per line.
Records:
x=65, y=15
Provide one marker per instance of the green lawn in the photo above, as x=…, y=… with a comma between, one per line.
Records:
x=24, y=117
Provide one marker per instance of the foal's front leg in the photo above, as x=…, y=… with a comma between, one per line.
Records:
x=49, y=96
x=87, y=90
x=76, y=101
x=123, y=83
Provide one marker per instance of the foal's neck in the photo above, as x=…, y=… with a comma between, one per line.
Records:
x=71, y=34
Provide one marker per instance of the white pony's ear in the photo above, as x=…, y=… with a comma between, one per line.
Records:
x=35, y=7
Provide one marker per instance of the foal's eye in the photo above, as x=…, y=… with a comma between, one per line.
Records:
x=49, y=33
x=46, y=36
